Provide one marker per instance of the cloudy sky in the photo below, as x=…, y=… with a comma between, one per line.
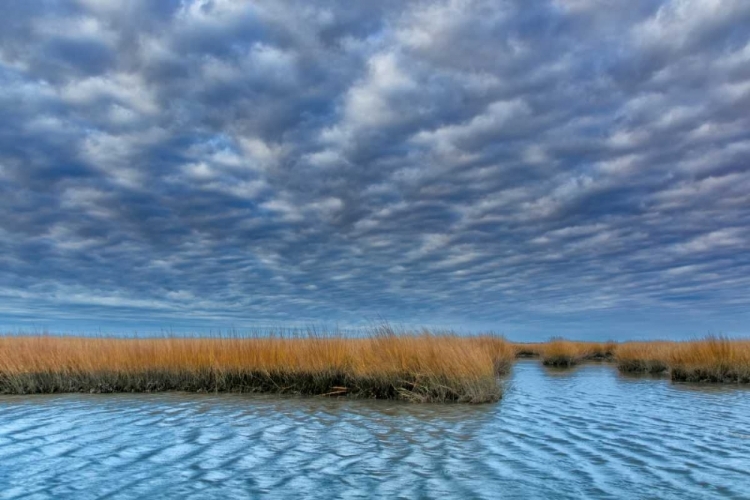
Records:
x=575, y=167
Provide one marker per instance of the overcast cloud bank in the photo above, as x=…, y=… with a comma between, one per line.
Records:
x=544, y=167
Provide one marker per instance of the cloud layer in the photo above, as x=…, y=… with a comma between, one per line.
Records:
x=498, y=164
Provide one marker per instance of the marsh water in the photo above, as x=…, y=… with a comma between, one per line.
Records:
x=582, y=433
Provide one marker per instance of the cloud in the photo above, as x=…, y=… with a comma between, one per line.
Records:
x=496, y=165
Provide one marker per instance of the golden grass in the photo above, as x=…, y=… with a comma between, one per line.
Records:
x=528, y=349
x=411, y=366
x=644, y=357
x=713, y=359
x=415, y=367
x=565, y=353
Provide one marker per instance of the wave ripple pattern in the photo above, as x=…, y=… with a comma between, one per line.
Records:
x=585, y=433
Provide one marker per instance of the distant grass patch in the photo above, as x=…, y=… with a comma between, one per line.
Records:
x=713, y=359
x=566, y=353
x=644, y=357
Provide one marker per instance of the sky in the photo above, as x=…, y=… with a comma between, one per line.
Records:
x=558, y=167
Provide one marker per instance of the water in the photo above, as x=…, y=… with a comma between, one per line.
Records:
x=586, y=433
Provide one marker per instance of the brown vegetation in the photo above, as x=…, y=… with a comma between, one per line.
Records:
x=644, y=357
x=415, y=367
x=713, y=359
x=566, y=353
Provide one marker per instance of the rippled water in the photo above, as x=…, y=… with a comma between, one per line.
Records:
x=586, y=433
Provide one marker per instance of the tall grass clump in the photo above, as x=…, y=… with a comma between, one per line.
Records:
x=528, y=349
x=565, y=353
x=713, y=359
x=643, y=357
x=602, y=351
x=415, y=367
x=502, y=352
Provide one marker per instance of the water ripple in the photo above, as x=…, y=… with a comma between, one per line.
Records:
x=586, y=433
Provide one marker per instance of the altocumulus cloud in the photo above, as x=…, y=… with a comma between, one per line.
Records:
x=552, y=166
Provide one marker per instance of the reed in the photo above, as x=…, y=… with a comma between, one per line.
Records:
x=502, y=352
x=644, y=357
x=565, y=353
x=421, y=367
x=713, y=359
x=602, y=351
x=415, y=367
x=528, y=349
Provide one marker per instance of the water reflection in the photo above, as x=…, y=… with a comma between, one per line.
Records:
x=735, y=390
x=558, y=371
x=584, y=433
x=639, y=377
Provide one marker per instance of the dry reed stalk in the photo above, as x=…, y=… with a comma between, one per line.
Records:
x=643, y=357
x=564, y=353
x=602, y=351
x=561, y=352
x=528, y=349
x=503, y=353
x=415, y=367
x=714, y=359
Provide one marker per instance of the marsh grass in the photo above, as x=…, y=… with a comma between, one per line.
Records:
x=713, y=359
x=419, y=367
x=562, y=353
x=644, y=357
x=565, y=353
x=385, y=364
x=527, y=349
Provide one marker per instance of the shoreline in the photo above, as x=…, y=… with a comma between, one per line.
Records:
x=418, y=367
